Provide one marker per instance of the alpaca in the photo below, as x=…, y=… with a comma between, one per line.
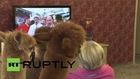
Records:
x=16, y=45
x=33, y=73
x=64, y=44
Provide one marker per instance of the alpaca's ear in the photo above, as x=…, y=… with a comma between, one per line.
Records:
x=18, y=38
x=79, y=51
x=43, y=36
x=2, y=36
x=66, y=43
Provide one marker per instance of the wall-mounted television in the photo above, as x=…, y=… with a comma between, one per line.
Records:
x=20, y=13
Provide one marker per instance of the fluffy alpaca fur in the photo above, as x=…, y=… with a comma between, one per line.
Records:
x=33, y=73
x=65, y=40
x=16, y=45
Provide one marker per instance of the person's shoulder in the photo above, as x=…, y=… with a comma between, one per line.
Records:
x=71, y=75
x=20, y=26
x=32, y=26
x=40, y=24
x=109, y=70
x=23, y=25
x=74, y=72
x=109, y=67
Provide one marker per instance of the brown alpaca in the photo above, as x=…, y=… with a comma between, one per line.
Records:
x=65, y=41
x=33, y=73
x=16, y=45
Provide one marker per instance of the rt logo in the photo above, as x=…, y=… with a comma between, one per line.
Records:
x=13, y=64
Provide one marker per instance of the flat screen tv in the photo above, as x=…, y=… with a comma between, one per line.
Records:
x=21, y=13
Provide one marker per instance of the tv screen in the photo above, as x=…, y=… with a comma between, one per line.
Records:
x=44, y=15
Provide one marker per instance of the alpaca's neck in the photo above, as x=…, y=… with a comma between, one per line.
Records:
x=52, y=72
x=41, y=53
x=11, y=51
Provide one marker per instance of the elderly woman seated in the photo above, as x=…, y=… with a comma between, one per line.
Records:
x=91, y=63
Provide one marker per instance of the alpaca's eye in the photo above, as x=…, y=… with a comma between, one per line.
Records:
x=31, y=48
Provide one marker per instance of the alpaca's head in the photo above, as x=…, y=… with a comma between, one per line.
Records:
x=18, y=41
x=65, y=38
x=42, y=45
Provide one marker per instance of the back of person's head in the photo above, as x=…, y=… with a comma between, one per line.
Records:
x=32, y=22
x=92, y=55
x=58, y=18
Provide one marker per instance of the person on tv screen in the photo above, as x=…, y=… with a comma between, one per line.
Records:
x=58, y=19
x=25, y=26
x=32, y=22
x=92, y=63
x=49, y=22
x=34, y=26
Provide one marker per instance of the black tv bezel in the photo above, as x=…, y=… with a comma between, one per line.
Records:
x=27, y=6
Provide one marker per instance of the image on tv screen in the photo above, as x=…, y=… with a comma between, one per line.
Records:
x=41, y=16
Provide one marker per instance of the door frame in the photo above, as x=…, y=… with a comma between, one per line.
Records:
x=135, y=26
